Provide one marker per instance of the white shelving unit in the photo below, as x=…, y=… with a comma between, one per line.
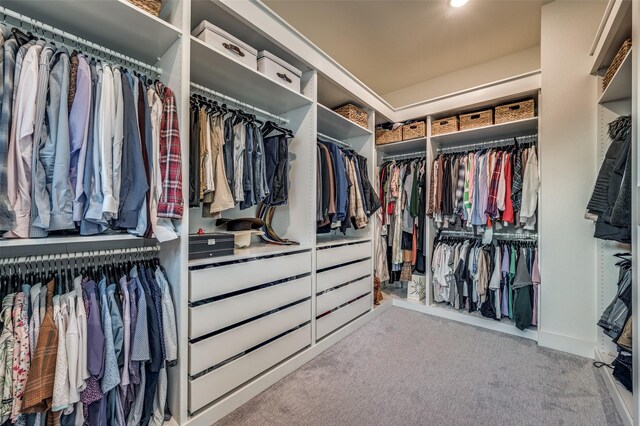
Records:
x=619, y=88
x=116, y=24
x=336, y=126
x=403, y=147
x=497, y=131
x=241, y=82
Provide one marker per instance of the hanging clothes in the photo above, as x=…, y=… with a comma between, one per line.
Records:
x=77, y=137
x=499, y=279
x=343, y=181
x=69, y=342
x=402, y=188
x=235, y=162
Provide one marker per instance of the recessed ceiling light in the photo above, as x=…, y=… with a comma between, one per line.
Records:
x=457, y=3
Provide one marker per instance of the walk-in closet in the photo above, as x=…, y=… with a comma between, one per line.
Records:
x=310, y=212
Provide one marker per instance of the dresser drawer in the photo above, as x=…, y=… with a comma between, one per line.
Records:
x=213, y=385
x=334, y=298
x=334, y=256
x=340, y=317
x=220, y=280
x=334, y=277
x=205, y=319
x=221, y=347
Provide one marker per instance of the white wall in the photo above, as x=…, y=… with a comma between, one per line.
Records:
x=568, y=141
x=487, y=72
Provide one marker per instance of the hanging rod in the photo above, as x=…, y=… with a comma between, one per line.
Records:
x=497, y=235
x=7, y=261
x=212, y=93
x=417, y=155
x=334, y=140
x=74, y=39
x=527, y=139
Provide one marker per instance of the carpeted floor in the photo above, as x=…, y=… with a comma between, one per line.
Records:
x=406, y=368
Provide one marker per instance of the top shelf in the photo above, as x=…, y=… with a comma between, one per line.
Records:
x=614, y=29
x=217, y=71
x=482, y=134
x=114, y=24
x=619, y=87
x=336, y=126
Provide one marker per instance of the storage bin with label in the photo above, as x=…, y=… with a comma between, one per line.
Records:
x=227, y=44
x=278, y=70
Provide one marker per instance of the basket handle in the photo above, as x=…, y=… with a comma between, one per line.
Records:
x=474, y=117
x=443, y=122
x=233, y=48
x=413, y=126
x=514, y=107
x=284, y=77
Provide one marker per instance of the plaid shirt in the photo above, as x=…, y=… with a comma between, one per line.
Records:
x=171, y=201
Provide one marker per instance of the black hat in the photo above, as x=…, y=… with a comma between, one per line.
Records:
x=241, y=224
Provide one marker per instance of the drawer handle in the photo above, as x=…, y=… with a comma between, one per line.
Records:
x=233, y=48
x=284, y=77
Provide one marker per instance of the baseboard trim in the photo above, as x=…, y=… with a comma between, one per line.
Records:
x=564, y=343
x=253, y=388
x=464, y=317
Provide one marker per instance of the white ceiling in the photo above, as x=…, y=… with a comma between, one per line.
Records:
x=390, y=45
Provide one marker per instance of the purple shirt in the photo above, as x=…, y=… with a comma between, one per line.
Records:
x=78, y=126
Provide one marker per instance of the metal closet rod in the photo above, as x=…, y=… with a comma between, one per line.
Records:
x=489, y=144
x=79, y=255
x=417, y=155
x=212, y=93
x=75, y=39
x=498, y=235
x=334, y=140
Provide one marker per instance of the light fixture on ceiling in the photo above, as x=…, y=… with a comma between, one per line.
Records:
x=457, y=3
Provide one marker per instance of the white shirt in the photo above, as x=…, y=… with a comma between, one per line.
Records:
x=106, y=132
x=530, y=185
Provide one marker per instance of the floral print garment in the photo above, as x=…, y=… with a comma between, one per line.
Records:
x=21, y=352
x=6, y=358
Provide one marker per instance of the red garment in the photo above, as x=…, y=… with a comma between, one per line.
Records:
x=507, y=215
x=171, y=202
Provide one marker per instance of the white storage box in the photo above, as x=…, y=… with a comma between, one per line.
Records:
x=278, y=70
x=226, y=43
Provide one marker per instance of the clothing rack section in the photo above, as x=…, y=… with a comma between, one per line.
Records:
x=235, y=159
x=409, y=156
x=346, y=199
x=247, y=324
x=197, y=88
x=343, y=285
x=496, y=235
x=109, y=157
x=519, y=140
x=486, y=183
x=499, y=280
x=87, y=338
x=74, y=42
x=402, y=247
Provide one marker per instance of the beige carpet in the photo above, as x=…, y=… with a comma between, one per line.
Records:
x=406, y=368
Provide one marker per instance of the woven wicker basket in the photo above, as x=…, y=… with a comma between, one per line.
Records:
x=515, y=111
x=476, y=119
x=151, y=6
x=617, y=61
x=414, y=130
x=384, y=136
x=355, y=114
x=444, y=125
